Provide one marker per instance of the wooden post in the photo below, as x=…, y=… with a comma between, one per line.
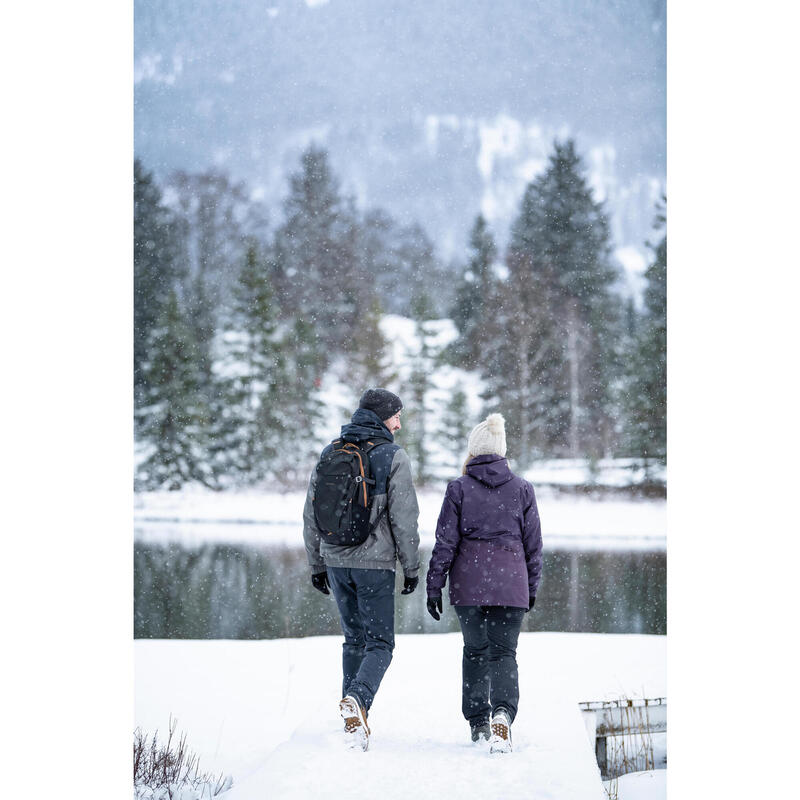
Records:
x=600, y=752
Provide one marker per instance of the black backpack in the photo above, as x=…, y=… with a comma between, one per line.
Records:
x=344, y=491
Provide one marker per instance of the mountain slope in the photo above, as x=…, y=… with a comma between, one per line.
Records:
x=434, y=110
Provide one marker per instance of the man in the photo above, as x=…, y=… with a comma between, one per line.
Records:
x=362, y=576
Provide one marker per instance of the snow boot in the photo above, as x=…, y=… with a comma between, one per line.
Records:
x=480, y=732
x=500, y=740
x=356, y=730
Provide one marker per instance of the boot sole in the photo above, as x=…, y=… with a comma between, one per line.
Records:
x=500, y=741
x=351, y=713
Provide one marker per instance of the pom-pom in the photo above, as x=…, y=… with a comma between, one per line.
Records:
x=495, y=423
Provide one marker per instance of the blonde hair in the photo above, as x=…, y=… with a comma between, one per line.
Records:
x=466, y=463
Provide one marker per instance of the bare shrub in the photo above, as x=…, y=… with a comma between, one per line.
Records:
x=631, y=751
x=169, y=771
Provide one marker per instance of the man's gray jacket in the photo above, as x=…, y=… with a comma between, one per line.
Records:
x=396, y=535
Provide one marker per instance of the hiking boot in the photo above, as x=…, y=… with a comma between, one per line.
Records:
x=480, y=732
x=356, y=730
x=500, y=740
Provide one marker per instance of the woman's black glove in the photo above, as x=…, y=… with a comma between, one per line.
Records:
x=435, y=606
x=532, y=601
x=409, y=585
x=320, y=581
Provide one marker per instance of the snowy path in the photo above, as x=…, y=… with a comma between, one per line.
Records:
x=266, y=712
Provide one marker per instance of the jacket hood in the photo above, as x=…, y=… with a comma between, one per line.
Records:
x=491, y=470
x=365, y=424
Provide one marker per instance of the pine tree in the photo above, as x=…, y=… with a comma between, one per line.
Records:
x=559, y=318
x=454, y=432
x=368, y=362
x=647, y=389
x=203, y=319
x=218, y=220
x=316, y=254
x=472, y=294
x=155, y=264
x=413, y=270
x=521, y=362
x=174, y=417
x=250, y=431
x=419, y=385
x=298, y=401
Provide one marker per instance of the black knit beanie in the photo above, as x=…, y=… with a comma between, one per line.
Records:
x=382, y=402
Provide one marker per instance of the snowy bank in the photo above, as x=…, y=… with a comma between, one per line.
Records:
x=195, y=516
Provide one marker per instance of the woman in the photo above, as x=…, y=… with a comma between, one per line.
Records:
x=489, y=542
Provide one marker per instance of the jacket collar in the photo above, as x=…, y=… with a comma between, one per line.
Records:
x=365, y=424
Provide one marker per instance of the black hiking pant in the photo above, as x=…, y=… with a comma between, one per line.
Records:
x=490, y=678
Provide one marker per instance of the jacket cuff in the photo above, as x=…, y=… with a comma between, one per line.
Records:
x=434, y=592
x=411, y=573
x=317, y=569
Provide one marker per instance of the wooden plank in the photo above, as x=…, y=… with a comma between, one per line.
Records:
x=625, y=720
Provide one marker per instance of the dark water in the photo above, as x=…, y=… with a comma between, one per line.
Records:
x=247, y=592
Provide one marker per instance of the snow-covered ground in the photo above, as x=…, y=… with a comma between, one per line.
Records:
x=607, y=472
x=265, y=712
x=650, y=785
x=194, y=516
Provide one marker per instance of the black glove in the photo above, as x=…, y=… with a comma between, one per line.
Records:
x=435, y=606
x=409, y=585
x=320, y=581
x=532, y=601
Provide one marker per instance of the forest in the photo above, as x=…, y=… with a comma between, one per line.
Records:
x=242, y=309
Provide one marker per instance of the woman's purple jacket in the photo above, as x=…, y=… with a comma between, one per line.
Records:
x=488, y=538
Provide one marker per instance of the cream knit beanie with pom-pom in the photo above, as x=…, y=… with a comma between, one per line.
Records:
x=488, y=437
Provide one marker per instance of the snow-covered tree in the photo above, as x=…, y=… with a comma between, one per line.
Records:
x=472, y=295
x=558, y=316
x=368, y=362
x=647, y=363
x=174, y=416
x=456, y=424
x=155, y=264
x=298, y=402
x=316, y=254
x=218, y=220
x=521, y=362
x=418, y=387
x=248, y=424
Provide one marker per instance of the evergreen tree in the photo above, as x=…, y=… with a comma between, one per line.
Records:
x=174, y=417
x=203, y=319
x=454, y=433
x=521, y=361
x=316, y=251
x=411, y=270
x=419, y=385
x=560, y=319
x=218, y=220
x=299, y=403
x=250, y=432
x=368, y=362
x=155, y=265
x=647, y=389
x=472, y=293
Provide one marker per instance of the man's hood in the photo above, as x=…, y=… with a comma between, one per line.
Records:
x=491, y=470
x=365, y=424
